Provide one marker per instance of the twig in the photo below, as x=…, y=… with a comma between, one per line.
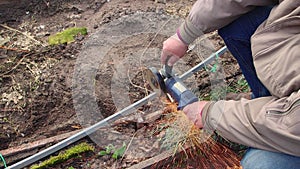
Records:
x=130, y=142
x=135, y=84
x=20, y=152
x=156, y=160
x=47, y=3
x=19, y=62
x=13, y=49
x=140, y=60
x=30, y=37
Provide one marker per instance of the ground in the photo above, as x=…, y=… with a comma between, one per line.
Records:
x=36, y=99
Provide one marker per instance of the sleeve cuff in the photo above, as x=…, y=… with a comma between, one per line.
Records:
x=205, y=112
x=187, y=32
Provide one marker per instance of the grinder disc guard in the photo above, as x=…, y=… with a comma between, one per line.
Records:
x=155, y=80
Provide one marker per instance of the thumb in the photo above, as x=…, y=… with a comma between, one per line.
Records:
x=173, y=60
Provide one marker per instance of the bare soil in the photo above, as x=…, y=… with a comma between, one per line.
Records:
x=36, y=99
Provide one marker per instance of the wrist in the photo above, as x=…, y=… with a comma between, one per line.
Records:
x=205, y=111
x=180, y=37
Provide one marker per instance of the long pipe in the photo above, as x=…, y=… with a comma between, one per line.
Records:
x=126, y=111
x=203, y=63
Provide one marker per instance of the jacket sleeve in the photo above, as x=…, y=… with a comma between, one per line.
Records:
x=266, y=123
x=209, y=15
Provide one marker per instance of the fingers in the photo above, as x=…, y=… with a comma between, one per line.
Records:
x=164, y=55
x=193, y=112
x=168, y=57
x=173, y=60
x=173, y=48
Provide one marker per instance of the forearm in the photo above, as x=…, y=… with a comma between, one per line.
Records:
x=266, y=123
x=209, y=15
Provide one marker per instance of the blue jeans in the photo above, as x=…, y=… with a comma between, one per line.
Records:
x=261, y=159
x=237, y=36
x=237, y=39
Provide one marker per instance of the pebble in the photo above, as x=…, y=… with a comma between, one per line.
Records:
x=95, y=26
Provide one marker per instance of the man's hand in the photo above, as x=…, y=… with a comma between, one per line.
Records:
x=193, y=112
x=173, y=50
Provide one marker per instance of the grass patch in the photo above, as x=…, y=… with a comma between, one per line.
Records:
x=180, y=131
x=199, y=149
x=66, y=36
x=64, y=156
x=115, y=153
x=219, y=92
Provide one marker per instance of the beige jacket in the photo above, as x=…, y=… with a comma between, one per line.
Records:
x=270, y=123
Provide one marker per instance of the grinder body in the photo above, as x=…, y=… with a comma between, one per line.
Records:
x=165, y=81
x=179, y=92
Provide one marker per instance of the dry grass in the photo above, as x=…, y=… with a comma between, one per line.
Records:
x=193, y=147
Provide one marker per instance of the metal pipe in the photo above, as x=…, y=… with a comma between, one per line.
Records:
x=203, y=63
x=126, y=111
x=81, y=134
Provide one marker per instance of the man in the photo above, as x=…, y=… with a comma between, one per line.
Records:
x=264, y=37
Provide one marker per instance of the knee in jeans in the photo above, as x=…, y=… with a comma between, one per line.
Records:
x=249, y=163
x=224, y=33
x=261, y=159
x=232, y=30
x=255, y=159
x=229, y=32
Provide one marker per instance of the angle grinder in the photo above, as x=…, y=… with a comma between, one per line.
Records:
x=165, y=81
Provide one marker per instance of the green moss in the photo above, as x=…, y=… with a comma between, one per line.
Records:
x=63, y=156
x=66, y=36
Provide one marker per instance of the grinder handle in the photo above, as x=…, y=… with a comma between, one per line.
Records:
x=167, y=68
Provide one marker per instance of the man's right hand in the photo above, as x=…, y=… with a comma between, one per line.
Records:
x=173, y=50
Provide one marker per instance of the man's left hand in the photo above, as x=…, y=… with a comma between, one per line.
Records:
x=193, y=112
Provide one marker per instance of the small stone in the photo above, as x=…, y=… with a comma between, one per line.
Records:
x=3, y=56
x=161, y=1
x=95, y=26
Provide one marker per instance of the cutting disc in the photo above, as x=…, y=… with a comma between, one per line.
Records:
x=155, y=80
